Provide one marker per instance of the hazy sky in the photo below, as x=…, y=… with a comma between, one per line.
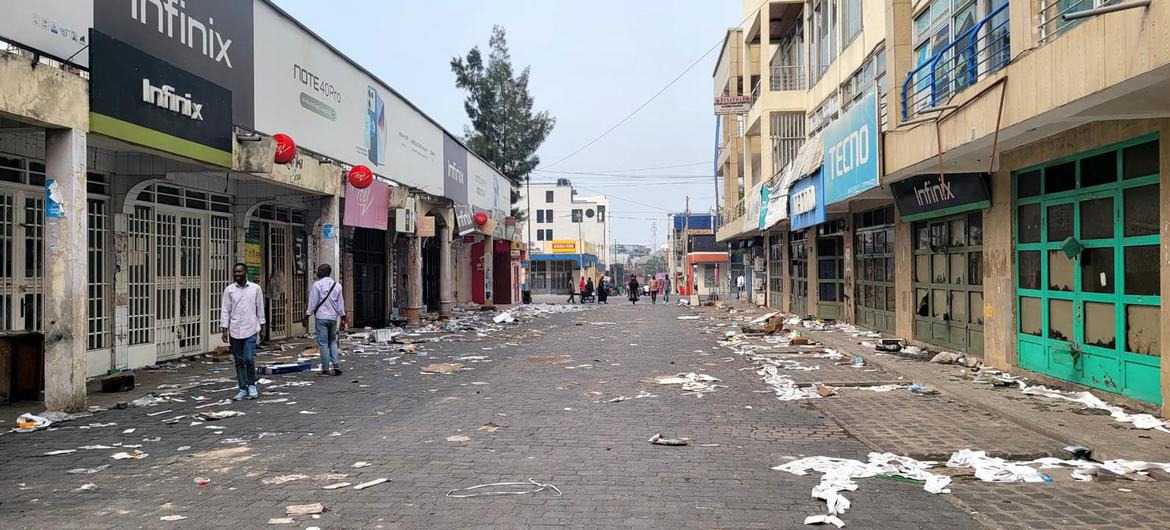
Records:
x=592, y=63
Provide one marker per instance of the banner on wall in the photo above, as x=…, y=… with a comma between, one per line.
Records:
x=367, y=207
x=56, y=27
x=211, y=40
x=454, y=170
x=923, y=196
x=751, y=208
x=253, y=254
x=139, y=98
x=806, y=202
x=334, y=108
x=851, y=145
x=777, y=206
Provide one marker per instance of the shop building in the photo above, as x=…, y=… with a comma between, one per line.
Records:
x=570, y=236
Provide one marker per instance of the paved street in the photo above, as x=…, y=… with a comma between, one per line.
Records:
x=545, y=384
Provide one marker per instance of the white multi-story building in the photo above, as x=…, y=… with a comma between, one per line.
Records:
x=569, y=236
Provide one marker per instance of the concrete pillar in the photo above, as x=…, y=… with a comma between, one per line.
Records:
x=121, y=355
x=907, y=302
x=900, y=52
x=66, y=270
x=446, y=301
x=413, y=278
x=1164, y=218
x=330, y=249
x=489, y=255
x=814, y=288
x=848, y=302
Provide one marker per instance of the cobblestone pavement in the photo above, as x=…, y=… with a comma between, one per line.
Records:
x=544, y=398
x=963, y=415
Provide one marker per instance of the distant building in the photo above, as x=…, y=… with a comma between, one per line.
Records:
x=569, y=238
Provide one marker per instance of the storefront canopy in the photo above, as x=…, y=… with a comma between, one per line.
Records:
x=809, y=159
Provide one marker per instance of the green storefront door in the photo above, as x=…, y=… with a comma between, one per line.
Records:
x=1088, y=280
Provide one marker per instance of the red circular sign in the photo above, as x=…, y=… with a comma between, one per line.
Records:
x=481, y=218
x=286, y=148
x=361, y=177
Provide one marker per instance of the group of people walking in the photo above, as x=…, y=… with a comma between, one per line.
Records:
x=652, y=288
x=588, y=292
x=242, y=322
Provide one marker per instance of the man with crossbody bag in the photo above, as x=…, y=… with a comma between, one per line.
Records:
x=327, y=306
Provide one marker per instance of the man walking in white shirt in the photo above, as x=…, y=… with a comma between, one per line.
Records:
x=242, y=321
x=327, y=306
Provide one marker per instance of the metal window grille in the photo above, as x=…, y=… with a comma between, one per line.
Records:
x=787, y=130
x=34, y=252
x=190, y=284
x=140, y=246
x=277, y=278
x=219, y=264
x=7, y=246
x=300, y=301
x=166, y=284
x=98, y=332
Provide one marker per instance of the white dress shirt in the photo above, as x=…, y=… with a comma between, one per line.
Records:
x=243, y=310
x=333, y=306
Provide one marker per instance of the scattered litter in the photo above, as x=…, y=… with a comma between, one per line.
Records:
x=946, y=358
x=688, y=317
x=219, y=415
x=284, y=478
x=171, y=518
x=442, y=368
x=505, y=318
x=88, y=471
x=691, y=382
x=307, y=411
x=539, y=488
x=825, y=519
x=657, y=439
x=282, y=520
x=86, y=487
x=458, y=438
x=371, y=483
x=489, y=427
x=132, y=455
x=219, y=403
x=922, y=390
x=184, y=448
x=1139, y=421
x=337, y=485
x=60, y=452
x=304, y=509
x=202, y=481
x=168, y=386
x=30, y=422
x=128, y=431
x=642, y=394
x=361, y=464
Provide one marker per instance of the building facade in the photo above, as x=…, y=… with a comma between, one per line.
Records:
x=127, y=196
x=983, y=176
x=570, y=236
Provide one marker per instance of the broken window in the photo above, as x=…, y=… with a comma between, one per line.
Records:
x=1100, y=326
x=1060, y=319
x=1097, y=270
x=1142, y=329
x=958, y=268
x=1060, y=271
x=976, y=311
x=1141, y=270
x=1029, y=262
x=922, y=268
x=975, y=268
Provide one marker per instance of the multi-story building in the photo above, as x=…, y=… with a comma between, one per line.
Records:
x=976, y=175
x=569, y=238
x=695, y=263
x=136, y=169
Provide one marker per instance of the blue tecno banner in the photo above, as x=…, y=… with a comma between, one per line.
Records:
x=806, y=202
x=851, y=151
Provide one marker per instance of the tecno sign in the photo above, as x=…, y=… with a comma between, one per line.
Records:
x=804, y=201
x=165, y=97
x=851, y=152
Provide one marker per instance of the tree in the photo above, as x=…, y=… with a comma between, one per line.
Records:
x=504, y=130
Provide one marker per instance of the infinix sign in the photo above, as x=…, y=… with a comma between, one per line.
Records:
x=211, y=39
x=165, y=97
x=195, y=34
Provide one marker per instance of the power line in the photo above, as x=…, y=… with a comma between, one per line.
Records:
x=659, y=93
x=583, y=172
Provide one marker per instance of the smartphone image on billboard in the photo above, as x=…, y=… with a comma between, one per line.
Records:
x=375, y=126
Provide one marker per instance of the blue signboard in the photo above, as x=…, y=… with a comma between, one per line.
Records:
x=52, y=207
x=763, y=206
x=851, y=151
x=806, y=201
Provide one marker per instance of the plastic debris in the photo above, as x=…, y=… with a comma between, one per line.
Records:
x=371, y=483
x=304, y=509
x=539, y=488
x=489, y=427
x=202, y=481
x=86, y=488
x=505, y=318
x=218, y=415
x=657, y=439
x=88, y=471
x=946, y=358
x=282, y=520
x=691, y=382
x=284, y=478
x=31, y=422
x=361, y=464
x=60, y=452
x=172, y=518
x=458, y=438
x=337, y=485
x=1139, y=421
x=132, y=455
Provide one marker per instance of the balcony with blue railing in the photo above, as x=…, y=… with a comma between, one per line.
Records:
x=973, y=55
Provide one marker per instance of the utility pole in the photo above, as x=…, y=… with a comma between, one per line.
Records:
x=687, y=246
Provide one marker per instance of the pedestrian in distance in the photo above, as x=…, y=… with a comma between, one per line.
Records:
x=603, y=291
x=739, y=284
x=327, y=307
x=666, y=290
x=573, y=291
x=634, y=289
x=242, y=321
x=652, y=284
x=587, y=294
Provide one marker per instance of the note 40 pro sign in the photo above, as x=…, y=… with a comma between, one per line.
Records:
x=851, y=151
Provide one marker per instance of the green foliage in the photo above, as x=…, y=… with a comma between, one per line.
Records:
x=504, y=129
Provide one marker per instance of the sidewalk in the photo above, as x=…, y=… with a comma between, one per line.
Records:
x=1021, y=426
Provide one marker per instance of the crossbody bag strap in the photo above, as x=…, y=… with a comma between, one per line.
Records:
x=324, y=298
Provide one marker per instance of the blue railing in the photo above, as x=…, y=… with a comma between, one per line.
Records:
x=973, y=55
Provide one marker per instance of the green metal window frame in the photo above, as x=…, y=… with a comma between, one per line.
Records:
x=1077, y=296
x=874, y=269
x=971, y=328
x=775, y=270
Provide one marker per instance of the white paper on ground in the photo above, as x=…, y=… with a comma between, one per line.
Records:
x=1139, y=421
x=824, y=519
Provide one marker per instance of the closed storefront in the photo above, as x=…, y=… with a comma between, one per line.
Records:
x=873, y=248
x=946, y=212
x=831, y=269
x=776, y=270
x=948, y=282
x=798, y=273
x=1088, y=284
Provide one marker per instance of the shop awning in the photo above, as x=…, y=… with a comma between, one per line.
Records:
x=809, y=158
x=587, y=259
